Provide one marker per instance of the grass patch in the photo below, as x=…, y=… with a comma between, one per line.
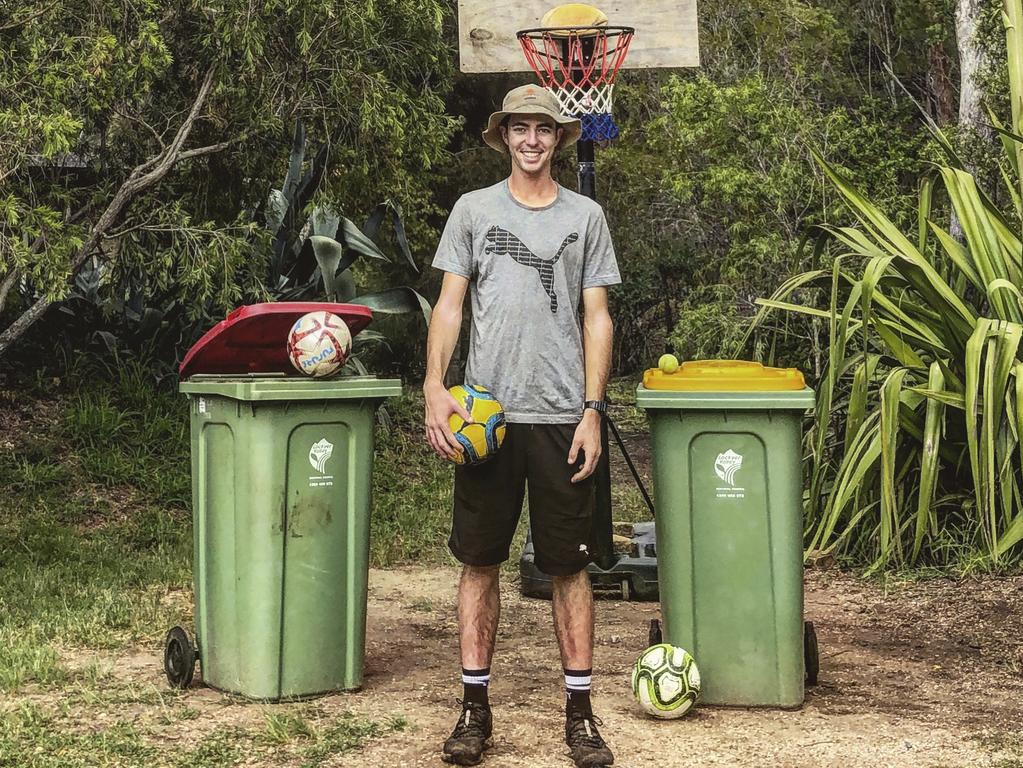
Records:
x=30, y=737
x=82, y=733
x=284, y=727
x=95, y=522
x=346, y=734
x=411, y=490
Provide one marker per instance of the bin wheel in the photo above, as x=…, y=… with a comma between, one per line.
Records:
x=655, y=637
x=179, y=658
x=811, y=658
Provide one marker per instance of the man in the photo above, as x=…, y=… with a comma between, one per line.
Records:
x=530, y=252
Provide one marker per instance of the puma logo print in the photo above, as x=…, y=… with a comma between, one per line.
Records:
x=504, y=242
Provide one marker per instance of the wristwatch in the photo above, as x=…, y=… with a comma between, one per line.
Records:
x=600, y=406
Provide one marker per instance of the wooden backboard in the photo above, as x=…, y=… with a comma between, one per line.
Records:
x=666, y=32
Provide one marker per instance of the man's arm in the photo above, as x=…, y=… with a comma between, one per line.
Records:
x=445, y=324
x=597, y=334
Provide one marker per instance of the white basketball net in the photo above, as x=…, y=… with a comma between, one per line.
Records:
x=578, y=100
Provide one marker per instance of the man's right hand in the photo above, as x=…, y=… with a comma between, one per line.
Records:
x=440, y=404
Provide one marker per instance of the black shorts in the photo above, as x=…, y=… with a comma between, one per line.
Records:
x=488, y=502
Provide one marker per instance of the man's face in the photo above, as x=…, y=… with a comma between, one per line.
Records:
x=531, y=141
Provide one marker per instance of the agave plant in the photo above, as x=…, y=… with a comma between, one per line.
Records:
x=917, y=439
x=322, y=249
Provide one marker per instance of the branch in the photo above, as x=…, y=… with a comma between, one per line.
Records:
x=5, y=288
x=38, y=243
x=27, y=19
x=138, y=181
x=162, y=162
x=119, y=233
x=152, y=130
x=172, y=152
x=211, y=148
x=11, y=170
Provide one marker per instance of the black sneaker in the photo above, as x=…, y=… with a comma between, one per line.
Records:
x=471, y=736
x=583, y=738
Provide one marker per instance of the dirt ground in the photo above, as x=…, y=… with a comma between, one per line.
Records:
x=929, y=674
x=921, y=674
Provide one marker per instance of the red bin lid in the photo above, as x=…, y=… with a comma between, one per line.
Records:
x=254, y=338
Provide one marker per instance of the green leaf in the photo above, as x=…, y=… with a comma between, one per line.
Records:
x=374, y=337
x=400, y=300
x=345, y=285
x=1013, y=532
x=959, y=255
x=372, y=226
x=276, y=210
x=925, y=517
x=974, y=349
x=909, y=262
x=357, y=241
x=784, y=291
x=855, y=464
x=399, y=235
x=328, y=253
x=891, y=390
x=924, y=211
x=903, y=352
x=324, y=221
x=772, y=304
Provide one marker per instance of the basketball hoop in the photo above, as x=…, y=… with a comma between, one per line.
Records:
x=578, y=65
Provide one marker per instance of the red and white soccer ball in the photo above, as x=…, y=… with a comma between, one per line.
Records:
x=319, y=344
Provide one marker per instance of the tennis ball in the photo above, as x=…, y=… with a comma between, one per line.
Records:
x=668, y=363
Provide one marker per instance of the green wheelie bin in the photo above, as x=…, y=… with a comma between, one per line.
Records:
x=726, y=445
x=281, y=480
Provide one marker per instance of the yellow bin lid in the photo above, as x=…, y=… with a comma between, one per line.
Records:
x=724, y=376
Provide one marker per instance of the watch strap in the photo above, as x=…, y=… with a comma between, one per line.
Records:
x=597, y=405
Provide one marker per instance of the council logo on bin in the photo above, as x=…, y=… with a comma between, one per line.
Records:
x=319, y=454
x=726, y=465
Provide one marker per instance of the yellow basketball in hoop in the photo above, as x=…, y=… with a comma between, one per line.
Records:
x=561, y=18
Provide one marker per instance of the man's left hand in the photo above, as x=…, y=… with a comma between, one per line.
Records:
x=587, y=440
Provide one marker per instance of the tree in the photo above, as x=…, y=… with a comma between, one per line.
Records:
x=141, y=138
x=713, y=183
x=971, y=64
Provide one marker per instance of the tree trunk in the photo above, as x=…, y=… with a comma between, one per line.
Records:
x=939, y=84
x=971, y=61
x=971, y=94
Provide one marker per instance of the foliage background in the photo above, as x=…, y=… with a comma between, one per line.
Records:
x=709, y=193
x=94, y=90
x=713, y=194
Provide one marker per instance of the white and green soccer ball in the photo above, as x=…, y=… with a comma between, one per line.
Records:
x=665, y=681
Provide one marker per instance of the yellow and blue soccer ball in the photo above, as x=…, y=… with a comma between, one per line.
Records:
x=481, y=438
x=666, y=681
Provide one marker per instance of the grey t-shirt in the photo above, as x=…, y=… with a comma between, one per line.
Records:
x=528, y=268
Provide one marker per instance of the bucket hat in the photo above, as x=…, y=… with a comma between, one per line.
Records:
x=530, y=100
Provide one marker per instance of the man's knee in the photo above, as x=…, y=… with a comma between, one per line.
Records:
x=484, y=573
x=572, y=589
